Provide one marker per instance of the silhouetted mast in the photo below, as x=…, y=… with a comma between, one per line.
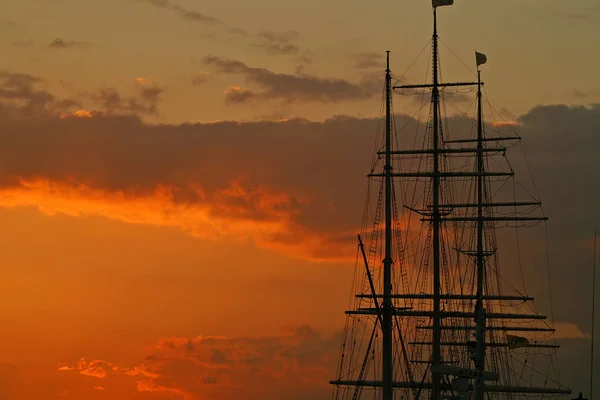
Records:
x=387, y=358
x=479, y=360
x=437, y=330
x=593, y=320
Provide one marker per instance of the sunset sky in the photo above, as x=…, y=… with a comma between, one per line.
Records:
x=181, y=180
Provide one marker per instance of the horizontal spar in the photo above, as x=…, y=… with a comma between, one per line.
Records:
x=475, y=219
x=492, y=328
x=445, y=314
x=491, y=139
x=443, y=174
x=541, y=346
x=429, y=85
x=501, y=204
x=450, y=297
x=447, y=151
x=445, y=386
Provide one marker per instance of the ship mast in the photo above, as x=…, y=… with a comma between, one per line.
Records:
x=437, y=330
x=387, y=331
x=479, y=310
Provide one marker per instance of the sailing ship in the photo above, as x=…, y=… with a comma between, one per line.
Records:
x=432, y=315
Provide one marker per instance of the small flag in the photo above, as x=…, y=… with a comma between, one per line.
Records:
x=480, y=58
x=438, y=3
x=515, y=342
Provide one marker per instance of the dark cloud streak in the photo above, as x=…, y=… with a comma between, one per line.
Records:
x=59, y=43
x=145, y=103
x=21, y=94
x=295, y=87
x=183, y=12
x=20, y=90
x=279, y=42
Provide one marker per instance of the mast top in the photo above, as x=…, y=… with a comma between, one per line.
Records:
x=387, y=53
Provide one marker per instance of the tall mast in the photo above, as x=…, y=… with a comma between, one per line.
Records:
x=593, y=320
x=437, y=331
x=480, y=257
x=387, y=369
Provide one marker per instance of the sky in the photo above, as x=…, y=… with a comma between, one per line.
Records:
x=181, y=180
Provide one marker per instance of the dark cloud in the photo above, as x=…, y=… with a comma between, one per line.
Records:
x=183, y=12
x=279, y=37
x=21, y=91
x=248, y=150
x=151, y=93
x=218, y=357
x=309, y=177
x=589, y=95
x=200, y=78
x=279, y=42
x=188, y=161
x=295, y=87
x=59, y=43
x=238, y=96
x=305, y=60
x=111, y=101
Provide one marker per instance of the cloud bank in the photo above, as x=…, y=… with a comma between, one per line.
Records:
x=296, y=364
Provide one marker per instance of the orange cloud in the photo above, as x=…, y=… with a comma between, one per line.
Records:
x=504, y=123
x=97, y=368
x=264, y=215
x=232, y=89
x=77, y=114
x=271, y=182
x=299, y=360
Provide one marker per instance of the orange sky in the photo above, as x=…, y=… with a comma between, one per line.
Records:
x=154, y=249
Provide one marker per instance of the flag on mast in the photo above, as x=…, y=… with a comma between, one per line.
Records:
x=438, y=3
x=515, y=342
x=480, y=58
